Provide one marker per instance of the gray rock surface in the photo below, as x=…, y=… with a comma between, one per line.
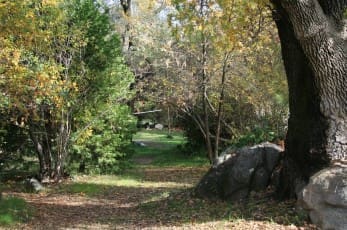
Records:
x=159, y=126
x=325, y=198
x=33, y=185
x=238, y=171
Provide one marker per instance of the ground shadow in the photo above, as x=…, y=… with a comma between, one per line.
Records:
x=121, y=207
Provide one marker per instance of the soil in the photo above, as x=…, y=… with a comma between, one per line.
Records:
x=163, y=201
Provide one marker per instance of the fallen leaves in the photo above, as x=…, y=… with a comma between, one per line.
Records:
x=157, y=198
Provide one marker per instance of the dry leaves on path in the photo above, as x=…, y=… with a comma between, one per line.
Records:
x=159, y=198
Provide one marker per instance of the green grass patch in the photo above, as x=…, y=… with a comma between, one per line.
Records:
x=165, y=151
x=126, y=180
x=161, y=137
x=99, y=184
x=13, y=210
x=176, y=158
x=87, y=189
x=94, y=185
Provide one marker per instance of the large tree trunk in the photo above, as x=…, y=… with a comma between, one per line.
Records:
x=314, y=54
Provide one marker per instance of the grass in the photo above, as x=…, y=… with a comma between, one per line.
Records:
x=160, y=136
x=154, y=195
x=165, y=151
x=95, y=185
x=87, y=189
x=13, y=210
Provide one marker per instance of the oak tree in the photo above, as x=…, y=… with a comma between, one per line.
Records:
x=313, y=40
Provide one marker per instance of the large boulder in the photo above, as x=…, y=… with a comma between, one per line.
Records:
x=237, y=172
x=325, y=198
x=159, y=126
x=33, y=185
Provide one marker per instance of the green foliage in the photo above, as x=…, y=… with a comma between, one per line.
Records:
x=195, y=144
x=255, y=136
x=13, y=210
x=103, y=124
x=62, y=78
x=17, y=154
x=236, y=40
x=160, y=137
x=102, y=146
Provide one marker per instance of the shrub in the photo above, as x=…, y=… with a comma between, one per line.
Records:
x=102, y=147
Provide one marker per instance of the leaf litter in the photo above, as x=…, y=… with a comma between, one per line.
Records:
x=158, y=198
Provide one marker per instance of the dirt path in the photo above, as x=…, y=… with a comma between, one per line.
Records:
x=118, y=207
x=159, y=199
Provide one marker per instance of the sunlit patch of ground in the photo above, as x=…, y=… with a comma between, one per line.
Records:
x=151, y=196
x=160, y=198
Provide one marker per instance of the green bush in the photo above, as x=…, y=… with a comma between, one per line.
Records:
x=102, y=149
x=16, y=152
x=255, y=136
x=103, y=124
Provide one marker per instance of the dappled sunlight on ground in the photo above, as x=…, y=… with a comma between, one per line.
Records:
x=150, y=196
x=159, y=199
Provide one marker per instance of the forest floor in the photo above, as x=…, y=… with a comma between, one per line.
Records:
x=154, y=194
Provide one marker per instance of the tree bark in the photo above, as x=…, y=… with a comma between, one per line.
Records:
x=314, y=55
x=63, y=138
x=204, y=103
x=43, y=132
x=43, y=153
x=126, y=36
x=220, y=106
x=168, y=121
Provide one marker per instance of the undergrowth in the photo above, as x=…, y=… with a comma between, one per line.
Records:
x=13, y=210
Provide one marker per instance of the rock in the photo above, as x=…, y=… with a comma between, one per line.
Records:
x=33, y=185
x=272, y=156
x=238, y=171
x=139, y=143
x=219, y=160
x=159, y=126
x=260, y=179
x=325, y=198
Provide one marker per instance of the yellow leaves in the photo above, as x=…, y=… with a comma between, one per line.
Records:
x=84, y=135
x=15, y=57
x=89, y=132
x=74, y=86
x=252, y=5
x=218, y=14
x=30, y=15
x=50, y=2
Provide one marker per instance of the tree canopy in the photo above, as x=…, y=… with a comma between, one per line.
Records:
x=72, y=73
x=62, y=79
